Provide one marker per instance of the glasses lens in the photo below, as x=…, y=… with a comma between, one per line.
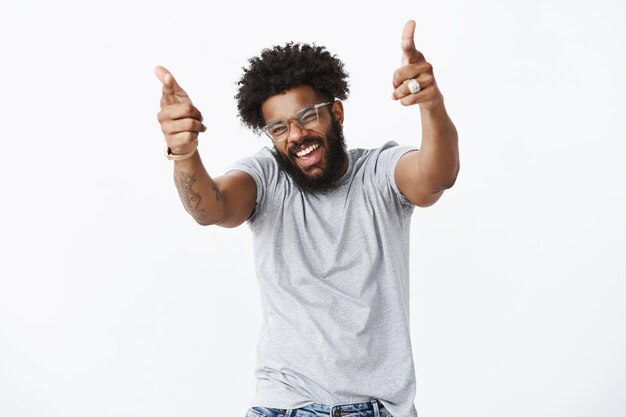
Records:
x=307, y=117
x=277, y=130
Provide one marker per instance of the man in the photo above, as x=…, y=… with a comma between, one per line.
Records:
x=330, y=227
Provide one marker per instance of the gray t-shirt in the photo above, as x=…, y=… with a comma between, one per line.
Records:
x=333, y=273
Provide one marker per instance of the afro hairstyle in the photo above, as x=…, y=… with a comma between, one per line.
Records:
x=280, y=68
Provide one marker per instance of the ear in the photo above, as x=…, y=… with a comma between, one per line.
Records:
x=337, y=110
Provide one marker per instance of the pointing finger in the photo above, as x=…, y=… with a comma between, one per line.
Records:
x=161, y=72
x=410, y=54
x=179, y=111
x=166, y=78
x=172, y=92
x=411, y=71
x=168, y=96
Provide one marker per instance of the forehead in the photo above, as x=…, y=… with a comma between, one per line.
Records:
x=282, y=106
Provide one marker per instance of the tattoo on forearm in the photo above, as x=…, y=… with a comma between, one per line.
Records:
x=218, y=193
x=184, y=182
x=191, y=199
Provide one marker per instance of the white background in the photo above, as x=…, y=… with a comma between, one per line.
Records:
x=114, y=302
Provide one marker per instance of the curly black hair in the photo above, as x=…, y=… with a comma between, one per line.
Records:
x=280, y=68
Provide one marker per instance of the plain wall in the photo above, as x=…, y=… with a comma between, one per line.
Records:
x=114, y=302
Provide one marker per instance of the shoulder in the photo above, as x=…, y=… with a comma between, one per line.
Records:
x=377, y=166
x=383, y=159
x=393, y=148
x=263, y=157
x=262, y=164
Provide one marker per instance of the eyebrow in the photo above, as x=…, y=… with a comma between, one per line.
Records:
x=294, y=113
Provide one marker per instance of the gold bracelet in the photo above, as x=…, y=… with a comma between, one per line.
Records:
x=172, y=157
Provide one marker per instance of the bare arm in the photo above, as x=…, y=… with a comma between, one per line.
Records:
x=423, y=176
x=198, y=192
x=226, y=201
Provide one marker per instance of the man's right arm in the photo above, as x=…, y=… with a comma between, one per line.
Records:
x=226, y=201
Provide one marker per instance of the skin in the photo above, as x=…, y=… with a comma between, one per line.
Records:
x=228, y=200
x=206, y=199
x=283, y=106
x=423, y=176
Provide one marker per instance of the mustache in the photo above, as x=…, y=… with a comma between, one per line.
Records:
x=336, y=156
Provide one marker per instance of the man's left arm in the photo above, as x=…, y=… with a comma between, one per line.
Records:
x=423, y=176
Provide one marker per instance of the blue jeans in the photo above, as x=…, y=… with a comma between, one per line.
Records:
x=372, y=408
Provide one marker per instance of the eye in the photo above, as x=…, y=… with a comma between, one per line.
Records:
x=307, y=115
x=277, y=129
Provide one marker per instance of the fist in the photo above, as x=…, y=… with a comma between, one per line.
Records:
x=180, y=120
x=414, y=67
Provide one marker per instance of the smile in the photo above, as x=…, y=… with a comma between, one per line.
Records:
x=307, y=151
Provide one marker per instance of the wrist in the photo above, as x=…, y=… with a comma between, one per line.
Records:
x=181, y=154
x=434, y=110
x=435, y=106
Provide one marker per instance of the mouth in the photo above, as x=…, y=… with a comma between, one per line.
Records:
x=309, y=155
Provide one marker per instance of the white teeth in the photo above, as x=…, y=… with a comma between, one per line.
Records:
x=308, y=150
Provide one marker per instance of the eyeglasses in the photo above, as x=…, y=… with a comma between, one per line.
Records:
x=306, y=118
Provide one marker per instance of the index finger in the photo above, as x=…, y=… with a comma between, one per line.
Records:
x=410, y=54
x=172, y=92
x=168, y=95
x=165, y=77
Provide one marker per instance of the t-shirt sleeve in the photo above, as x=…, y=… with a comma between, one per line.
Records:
x=259, y=167
x=388, y=157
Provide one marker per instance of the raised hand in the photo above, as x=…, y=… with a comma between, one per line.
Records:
x=180, y=120
x=414, y=81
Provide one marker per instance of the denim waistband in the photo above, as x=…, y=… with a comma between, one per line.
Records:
x=343, y=410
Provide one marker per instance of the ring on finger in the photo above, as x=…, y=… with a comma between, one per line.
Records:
x=414, y=86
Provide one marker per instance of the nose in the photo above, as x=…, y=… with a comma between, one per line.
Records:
x=296, y=133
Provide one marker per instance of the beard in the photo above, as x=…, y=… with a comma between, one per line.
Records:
x=336, y=156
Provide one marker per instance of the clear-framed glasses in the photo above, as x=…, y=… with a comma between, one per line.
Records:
x=306, y=118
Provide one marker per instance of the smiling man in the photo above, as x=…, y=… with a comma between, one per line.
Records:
x=313, y=160
x=330, y=227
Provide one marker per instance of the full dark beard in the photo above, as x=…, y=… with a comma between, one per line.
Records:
x=336, y=157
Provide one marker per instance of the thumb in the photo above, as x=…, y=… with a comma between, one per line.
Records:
x=172, y=92
x=162, y=75
x=409, y=54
